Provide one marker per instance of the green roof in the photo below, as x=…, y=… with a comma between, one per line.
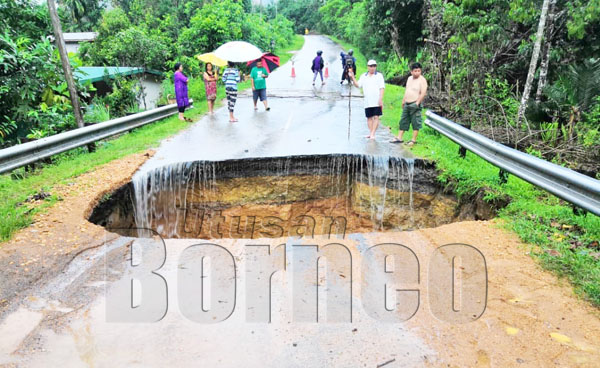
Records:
x=96, y=73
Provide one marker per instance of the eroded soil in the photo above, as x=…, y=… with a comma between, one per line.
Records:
x=532, y=318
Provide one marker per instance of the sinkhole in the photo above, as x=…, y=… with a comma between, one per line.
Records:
x=304, y=196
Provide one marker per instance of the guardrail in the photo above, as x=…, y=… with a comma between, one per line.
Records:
x=26, y=153
x=573, y=187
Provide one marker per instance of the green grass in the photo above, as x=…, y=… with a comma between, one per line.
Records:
x=563, y=242
x=284, y=53
x=392, y=104
x=15, y=188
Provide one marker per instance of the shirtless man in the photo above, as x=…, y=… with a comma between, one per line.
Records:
x=416, y=89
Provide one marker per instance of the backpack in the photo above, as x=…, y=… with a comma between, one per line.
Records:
x=347, y=58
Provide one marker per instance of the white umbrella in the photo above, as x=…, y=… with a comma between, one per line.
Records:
x=238, y=51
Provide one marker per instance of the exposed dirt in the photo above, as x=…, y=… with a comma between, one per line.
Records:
x=273, y=206
x=532, y=319
x=58, y=235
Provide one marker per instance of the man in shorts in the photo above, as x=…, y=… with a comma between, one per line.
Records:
x=373, y=86
x=416, y=89
x=258, y=74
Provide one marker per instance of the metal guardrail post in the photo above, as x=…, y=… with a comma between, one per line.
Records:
x=503, y=175
x=26, y=153
x=569, y=185
x=462, y=151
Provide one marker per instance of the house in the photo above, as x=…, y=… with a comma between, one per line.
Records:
x=73, y=40
x=150, y=81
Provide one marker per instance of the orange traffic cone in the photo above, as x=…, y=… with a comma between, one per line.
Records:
x=293, y=70
x=327, y=70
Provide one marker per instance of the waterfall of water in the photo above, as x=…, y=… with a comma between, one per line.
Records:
x=378, y=171
x=163, y=195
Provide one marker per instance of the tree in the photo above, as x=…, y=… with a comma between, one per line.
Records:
x=83, y=15
x=33, y=93
x=304, y=13
x=24, y=18
x=212, y=25
x=333, y=17
x=546, y=55
x=534, y=60
x=397, y=23
x=121, y=44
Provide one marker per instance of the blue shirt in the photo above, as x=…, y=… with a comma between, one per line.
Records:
x=231, y=77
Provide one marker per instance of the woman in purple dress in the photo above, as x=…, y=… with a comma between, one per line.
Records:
x=181, y=91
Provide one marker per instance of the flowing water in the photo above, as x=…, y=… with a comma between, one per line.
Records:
x=272, y=197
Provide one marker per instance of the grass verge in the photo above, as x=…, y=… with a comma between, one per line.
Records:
x=17, y=187
x=285, y=53
x=562, y=241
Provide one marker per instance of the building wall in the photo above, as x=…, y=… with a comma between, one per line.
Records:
x=72, y=47
x=151, y=84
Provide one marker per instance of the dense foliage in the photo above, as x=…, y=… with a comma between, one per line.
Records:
x=33, y=95
x=477, y=55
x=153, y=34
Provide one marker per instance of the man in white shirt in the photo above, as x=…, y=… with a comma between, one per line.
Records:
x=373, y=87
x=416, y=89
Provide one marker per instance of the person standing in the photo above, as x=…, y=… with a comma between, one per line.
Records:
x=373, y=86
x=231, y=77
x=258, y=75
x=349, y=63
x=181, y=91
x=210, y=83
x=416, y=89
x=317, y=67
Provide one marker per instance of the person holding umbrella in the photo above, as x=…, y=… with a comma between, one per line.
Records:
x=258, y=75
x=181, y=91
x=231, y=77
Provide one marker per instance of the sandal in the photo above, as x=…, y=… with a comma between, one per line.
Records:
x=396, y=140
x=411, y=143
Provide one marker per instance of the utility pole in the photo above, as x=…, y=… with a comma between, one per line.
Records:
x=64, y=59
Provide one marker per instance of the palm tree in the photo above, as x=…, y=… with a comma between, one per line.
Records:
x=76, y=9
x=574, y=92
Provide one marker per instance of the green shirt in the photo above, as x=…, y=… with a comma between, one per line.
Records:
x=258, y=75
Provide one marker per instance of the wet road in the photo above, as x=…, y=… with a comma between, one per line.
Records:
x=67, y=322
x=92, y=337
x=303, y=119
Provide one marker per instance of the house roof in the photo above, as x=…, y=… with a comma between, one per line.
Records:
x=96, y=73
x=79, y=36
